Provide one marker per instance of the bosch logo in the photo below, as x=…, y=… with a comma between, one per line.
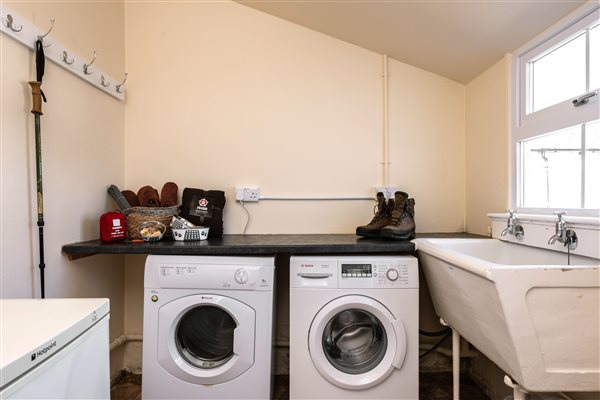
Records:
x=308, y=265
x=206, y=298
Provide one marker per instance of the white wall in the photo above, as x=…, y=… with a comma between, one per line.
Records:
x=82, y=153
x=487, y=150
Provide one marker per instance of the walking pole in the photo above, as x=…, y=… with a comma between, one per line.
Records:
x=37, y=95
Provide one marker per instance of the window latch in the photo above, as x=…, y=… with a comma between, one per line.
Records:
x=581, y=100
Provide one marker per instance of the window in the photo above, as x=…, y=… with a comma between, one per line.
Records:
x=561, y=169
x=556, y=133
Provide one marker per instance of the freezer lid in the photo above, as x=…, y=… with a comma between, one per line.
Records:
x=32, y=330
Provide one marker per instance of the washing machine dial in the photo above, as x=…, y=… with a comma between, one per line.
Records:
x=241, y=276
x=392, y=274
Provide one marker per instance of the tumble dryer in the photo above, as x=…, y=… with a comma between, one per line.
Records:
x=208, y=324
x=354, y=327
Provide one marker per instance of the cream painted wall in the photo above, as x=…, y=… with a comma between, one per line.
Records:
x=82, y=153
x=427, y=145
x=226, y=95
x=487, y=150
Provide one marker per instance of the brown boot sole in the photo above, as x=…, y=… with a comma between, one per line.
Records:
x=367, y=233
x=398, y=236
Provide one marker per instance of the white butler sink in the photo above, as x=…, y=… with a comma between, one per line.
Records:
x=528, y=311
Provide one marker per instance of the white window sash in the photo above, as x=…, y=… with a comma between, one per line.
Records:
x=556, y=113
x=562, y=115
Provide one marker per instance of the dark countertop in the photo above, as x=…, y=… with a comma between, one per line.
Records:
x=256, y=244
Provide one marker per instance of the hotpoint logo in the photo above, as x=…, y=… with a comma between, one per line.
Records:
x=43, y=351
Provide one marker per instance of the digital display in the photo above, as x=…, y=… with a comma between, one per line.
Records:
x=358, y=269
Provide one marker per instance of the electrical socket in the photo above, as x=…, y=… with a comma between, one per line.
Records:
x=388, y=191
x=247, y=193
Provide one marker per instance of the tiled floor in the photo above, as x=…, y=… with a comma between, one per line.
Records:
x=432, y=386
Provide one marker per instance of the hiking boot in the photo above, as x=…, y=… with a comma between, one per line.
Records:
x=382, y=217
x=402, y=226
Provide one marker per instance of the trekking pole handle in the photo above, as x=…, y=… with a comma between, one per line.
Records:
x=36, y=95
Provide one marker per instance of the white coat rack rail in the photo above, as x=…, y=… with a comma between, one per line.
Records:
x=26, y=33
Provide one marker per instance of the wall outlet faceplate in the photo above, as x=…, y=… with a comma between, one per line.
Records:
x=247, y=193
x=388, y=191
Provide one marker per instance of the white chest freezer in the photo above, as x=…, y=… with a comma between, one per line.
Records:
x=54, y=349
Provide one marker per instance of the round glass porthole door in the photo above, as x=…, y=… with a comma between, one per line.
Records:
x=354, y=341
x=204, y=336
x=206, y=339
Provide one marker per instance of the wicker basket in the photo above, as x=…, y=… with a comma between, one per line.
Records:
x=137, y=215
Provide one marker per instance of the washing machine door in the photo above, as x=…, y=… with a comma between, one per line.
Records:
x=206, y=339
x=355, y=342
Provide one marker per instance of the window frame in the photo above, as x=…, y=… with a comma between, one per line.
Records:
x=558, y=116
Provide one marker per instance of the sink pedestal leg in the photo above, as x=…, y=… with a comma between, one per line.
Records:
x=455, y=362
x=456, y=365
x=518, y=392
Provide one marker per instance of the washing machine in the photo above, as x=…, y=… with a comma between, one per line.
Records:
x=354, y=327
x=208, y=326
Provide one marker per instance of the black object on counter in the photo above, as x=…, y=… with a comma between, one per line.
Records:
x=118, y=197
x=204, y=208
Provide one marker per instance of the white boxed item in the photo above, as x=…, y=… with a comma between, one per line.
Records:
x=191, y=234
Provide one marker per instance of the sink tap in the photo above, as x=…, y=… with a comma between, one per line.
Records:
x=562, y=234
x=512, y=227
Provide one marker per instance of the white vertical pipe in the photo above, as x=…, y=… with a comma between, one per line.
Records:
x=385, y=163
x=455, y=365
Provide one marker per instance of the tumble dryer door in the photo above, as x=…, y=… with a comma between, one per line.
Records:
x=206, y=339
x=355, y=342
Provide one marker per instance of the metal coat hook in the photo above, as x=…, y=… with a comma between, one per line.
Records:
x=103, y=82
x=9, y=24
x=65, y=58
x=86, y=66
x=41, y=37
x=118, y=87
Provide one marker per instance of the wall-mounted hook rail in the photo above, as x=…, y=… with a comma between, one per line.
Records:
x=118, y=87
x=65, y=58
x=26, y=33
x=86, y=66
x=10, y=24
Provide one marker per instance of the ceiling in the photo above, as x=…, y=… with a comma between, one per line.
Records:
x=451, y=38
